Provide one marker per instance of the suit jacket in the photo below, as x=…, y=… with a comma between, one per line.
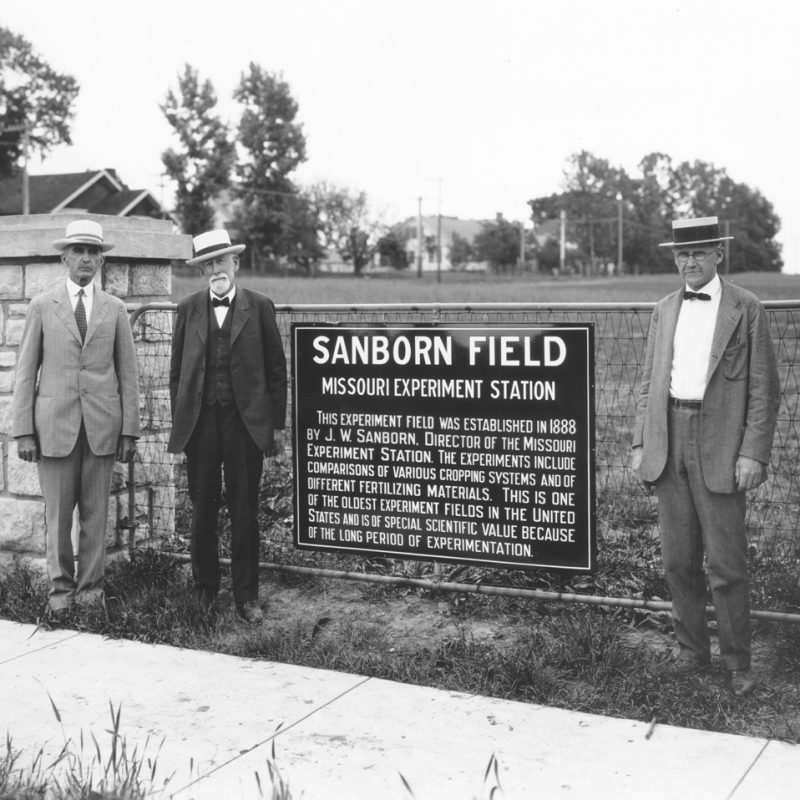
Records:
x=61, y=382
x=257, y=360
x=740, y=405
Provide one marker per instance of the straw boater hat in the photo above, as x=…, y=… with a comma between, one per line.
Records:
x=212, y=244
x=83, y=231
x=700, y=230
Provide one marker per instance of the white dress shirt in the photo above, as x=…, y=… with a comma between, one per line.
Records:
x=694, y=335
x=88, y=296
x=220, y=312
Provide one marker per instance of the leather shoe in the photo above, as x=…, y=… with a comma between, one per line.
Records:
x=250, y=612
x=742, y=682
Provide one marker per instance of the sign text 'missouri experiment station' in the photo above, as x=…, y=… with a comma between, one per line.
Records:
x=469, y=444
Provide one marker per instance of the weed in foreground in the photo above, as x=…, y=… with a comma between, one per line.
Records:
x=491, y=781
x=80, y=772
x=18, y=783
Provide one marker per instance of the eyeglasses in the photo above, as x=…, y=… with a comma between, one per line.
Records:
x=698, y=255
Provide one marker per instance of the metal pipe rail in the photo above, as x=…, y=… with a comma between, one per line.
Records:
x=478, y=588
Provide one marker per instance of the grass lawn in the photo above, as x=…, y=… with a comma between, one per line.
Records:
x=472, y=288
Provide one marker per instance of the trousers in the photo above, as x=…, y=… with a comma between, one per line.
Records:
x=83, y=479
x=220, y=446
x=695, y=521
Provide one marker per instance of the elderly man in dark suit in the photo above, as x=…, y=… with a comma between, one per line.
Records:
x=705, y=420
x=228, y=396
x=76, y=410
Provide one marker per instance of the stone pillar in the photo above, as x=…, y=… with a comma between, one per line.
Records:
x=138, y=270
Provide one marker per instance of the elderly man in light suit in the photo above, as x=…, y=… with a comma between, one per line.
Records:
x=76, y=410
x=228, y=390
x=705, y=420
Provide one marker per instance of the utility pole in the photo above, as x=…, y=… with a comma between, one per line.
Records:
x=26, y=185
x=439, y=237
x=619, y=233
x=562, y=253
x=727, y=248
x=419, y=237
x=522, y=246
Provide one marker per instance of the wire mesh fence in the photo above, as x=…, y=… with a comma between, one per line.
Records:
x=627, y=524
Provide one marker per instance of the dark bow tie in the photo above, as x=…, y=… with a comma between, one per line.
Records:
x=696, y=296
x=220, y=301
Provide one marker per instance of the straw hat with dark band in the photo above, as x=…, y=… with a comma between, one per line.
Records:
x=700, y=230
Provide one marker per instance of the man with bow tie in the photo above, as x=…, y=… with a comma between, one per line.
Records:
x=705, y=420
x=228, y=397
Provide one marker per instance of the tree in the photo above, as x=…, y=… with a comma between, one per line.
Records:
x=706, y=190
x=273, y=145
x=548, y=256
x=345, y=223
x=391, y=248
x=498, y=244
x=34, y=98
x=461, y=251
x=650, y=200
x=202, y=166
x=298, y=239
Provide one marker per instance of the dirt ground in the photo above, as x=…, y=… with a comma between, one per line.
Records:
x=409, y=620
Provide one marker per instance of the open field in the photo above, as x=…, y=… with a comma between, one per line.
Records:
x=472, y=288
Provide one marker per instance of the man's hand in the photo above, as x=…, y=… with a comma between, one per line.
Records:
x=749, y=473
x=126, y=449
x=278, y=438
x=28, y=448
x=636, y=460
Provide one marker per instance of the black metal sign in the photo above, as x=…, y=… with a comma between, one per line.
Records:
x=468, y=444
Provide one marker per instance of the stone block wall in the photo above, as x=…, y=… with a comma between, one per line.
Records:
x=138, y=270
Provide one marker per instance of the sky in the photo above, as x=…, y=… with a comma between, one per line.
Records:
x=474, y=107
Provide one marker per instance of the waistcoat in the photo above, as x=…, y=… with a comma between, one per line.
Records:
x=218, y=387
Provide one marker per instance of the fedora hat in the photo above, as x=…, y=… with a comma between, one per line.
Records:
x=700, y=230
x=83, y=231
x=212, y=244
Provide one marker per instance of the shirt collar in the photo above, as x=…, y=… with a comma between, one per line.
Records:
x=73, y=288
x=230, y=295
x=712, y=288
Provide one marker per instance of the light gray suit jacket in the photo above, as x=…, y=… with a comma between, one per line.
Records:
x=60, y=382
x=740, y=405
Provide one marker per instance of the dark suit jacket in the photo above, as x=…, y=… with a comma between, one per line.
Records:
x=740, y=405
x=258, y=367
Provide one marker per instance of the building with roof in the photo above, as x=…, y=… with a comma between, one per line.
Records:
x=433, y=227
x=91, y=192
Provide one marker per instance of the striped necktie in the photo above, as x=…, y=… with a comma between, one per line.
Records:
x=80, y=315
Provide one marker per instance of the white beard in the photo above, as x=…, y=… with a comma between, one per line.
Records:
x=220, y=285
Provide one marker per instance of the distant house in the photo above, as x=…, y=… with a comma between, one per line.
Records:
x=92, y=192
x=467, y=229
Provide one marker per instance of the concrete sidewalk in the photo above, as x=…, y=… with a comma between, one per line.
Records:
x=345, y=736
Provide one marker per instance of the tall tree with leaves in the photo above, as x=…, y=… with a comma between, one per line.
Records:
x=650, y=200
x=707, y=190
x=201, y=165
x=273, y=145
x=346, y=223
x=391, y=248
x=498, y=244
x=461, y=251
x=35, y=100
